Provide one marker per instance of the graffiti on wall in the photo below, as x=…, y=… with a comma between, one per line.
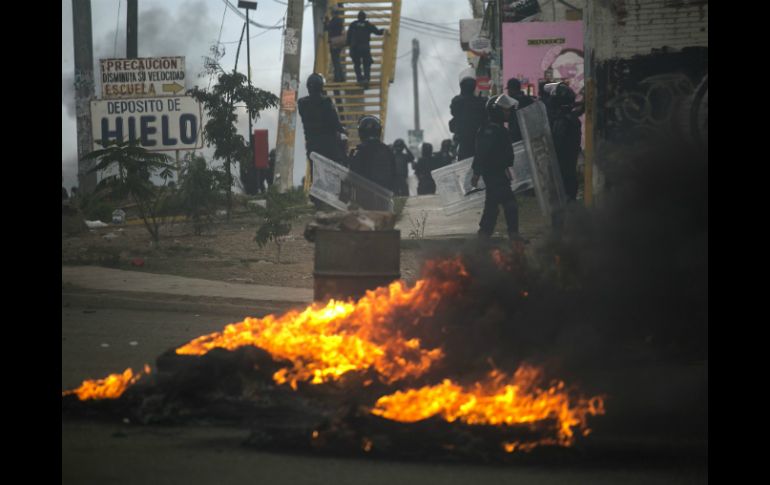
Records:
x=650, y=96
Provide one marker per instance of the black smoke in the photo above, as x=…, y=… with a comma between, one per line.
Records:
x=615, y=302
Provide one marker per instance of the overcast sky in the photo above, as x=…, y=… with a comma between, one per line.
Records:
x=189, y=28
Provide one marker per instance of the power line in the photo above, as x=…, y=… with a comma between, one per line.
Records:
x=425, y=31
x=420, y=30
x=432, y=29
x=431, y=24
x=221, y=25
x=454, y=22
x=278, y=24
x=243, y=16
x=433, y=101
x=435, y=50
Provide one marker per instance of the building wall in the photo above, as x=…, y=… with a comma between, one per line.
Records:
x=625, y=28
x=646, y=65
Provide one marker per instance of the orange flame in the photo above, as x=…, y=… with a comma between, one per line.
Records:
x=323, y=342
x=111, y=387
x=499, y=400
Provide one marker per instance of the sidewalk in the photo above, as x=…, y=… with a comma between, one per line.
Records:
x=115, y=280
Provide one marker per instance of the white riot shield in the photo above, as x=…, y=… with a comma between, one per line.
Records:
x=453, y=182
x=546, y=175
x=345, y=190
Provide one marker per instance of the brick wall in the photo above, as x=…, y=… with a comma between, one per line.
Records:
x=626, y=28
x=647, y=63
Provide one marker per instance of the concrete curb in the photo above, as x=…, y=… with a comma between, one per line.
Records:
x=73, y=296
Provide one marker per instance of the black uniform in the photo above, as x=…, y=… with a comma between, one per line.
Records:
x=425, y=183
x=566, y=132
x=494, y=154
x=468, y=115
x=375, y=161
x=359, y=33
x=336, y=27
x=514, y=130
x=322, y=126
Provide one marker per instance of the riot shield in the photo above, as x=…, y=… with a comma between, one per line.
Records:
x=453, y=182
x=345, y=190
x=546, y=175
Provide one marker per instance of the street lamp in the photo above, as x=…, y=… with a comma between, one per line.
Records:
x=248, y=6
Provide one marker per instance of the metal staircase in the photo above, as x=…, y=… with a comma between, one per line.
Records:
x=351, y=100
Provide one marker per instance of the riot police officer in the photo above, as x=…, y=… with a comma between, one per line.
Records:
x=425, y=164
x=403, y=158
x=372, y=158
x=320, y=121
x=523, y=100
x=359, y=34
x=566, y=134
x=494, y=155
x=467, y=117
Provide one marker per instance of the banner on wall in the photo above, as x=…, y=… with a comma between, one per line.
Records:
x=535, y=52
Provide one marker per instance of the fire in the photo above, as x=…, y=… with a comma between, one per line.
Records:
x=323, y=342
x=111, y=387
x=498, y=401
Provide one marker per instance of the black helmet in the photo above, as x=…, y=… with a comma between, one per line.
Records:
x=467, y=85
x=399, y=144
x=315, y=83
x=495, y=110
x=369, y=127
x=513, y=86
x=361, y=15
x=563, y=95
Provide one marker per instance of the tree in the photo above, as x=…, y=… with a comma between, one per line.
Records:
x=199, y=188
x=132, y=167
x=277, y=215
x=220, y=104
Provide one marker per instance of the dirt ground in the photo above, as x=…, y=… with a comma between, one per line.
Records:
x=227, y=250
x=101, y=337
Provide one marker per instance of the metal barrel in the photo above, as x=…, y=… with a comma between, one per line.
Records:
x=347, y=263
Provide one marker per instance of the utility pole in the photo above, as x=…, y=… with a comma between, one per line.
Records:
x=84, y=90
x=415, y=59
x=287, y=115
x=132, y=26
x=319, y=11
x=248, y=6
x=415, y=136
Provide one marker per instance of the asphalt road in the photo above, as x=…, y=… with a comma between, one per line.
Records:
x=98, y=340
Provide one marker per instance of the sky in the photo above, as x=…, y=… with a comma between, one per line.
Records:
x=190, y=27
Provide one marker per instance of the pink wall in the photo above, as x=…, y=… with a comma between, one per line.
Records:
x=528, y=62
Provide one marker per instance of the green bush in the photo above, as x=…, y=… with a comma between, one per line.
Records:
x=200, y=192
x=95, y=208
x=277, y=217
